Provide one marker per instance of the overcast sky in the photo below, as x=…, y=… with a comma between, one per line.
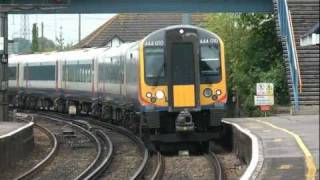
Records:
x=53, y=22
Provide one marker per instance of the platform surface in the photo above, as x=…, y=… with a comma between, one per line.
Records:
x=7, y=128
x=281, y=155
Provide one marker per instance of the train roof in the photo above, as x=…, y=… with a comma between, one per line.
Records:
x=78, y=54
x=161, y=31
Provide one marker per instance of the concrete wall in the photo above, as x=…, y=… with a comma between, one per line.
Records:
x=15, y=146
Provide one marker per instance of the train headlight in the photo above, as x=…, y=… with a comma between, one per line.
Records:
x=218, y=92
x=149, y=95
x=181, y=31
x=207, y=92
x=159, y=94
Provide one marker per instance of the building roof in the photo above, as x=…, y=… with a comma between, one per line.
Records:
x=133, y=27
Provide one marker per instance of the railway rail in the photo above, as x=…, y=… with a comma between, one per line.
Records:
x=218, y=170
x=104, y=129
x=106, y=135
x=39, y=166
x=40, y=171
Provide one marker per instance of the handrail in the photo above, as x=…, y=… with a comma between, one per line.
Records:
x=296, y=54
x=286, y=30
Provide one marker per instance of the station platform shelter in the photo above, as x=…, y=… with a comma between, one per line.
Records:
x=278, y=147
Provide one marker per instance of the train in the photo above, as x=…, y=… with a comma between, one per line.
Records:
x=169, y=87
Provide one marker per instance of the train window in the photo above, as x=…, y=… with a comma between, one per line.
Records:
x=154, y=66
x=77, y=72
x=12, y=73
x=182, y=58
x=40, y=73
x=210, y=66
x=110, y=70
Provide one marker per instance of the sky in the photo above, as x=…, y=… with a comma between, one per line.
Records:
x=53, y=22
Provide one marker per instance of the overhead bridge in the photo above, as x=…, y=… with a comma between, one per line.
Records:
x=127, y=6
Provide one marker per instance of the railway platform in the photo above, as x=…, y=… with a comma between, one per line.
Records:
x=16, y=140
x=277, y=147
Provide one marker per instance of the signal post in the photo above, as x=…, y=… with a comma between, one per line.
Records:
x=3, y=66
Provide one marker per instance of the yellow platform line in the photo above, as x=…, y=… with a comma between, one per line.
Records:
x=311, y=167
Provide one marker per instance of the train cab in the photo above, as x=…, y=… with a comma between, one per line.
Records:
x=182, y=82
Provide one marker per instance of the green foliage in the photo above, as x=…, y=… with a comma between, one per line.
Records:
x=46, y=44
x=253, y=54
x=35, y=38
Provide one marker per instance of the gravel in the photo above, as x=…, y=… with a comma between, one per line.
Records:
x=126, y=158
x=74, y=155
x=187, y=168
x=233, y=167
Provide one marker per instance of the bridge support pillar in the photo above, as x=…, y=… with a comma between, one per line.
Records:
x=3, y=66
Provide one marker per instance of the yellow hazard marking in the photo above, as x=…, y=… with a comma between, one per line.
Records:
x=311, y=167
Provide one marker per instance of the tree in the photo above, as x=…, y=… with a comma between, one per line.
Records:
x=35, y=38
x=47, y=44
x=60, y=40
x=253, y=54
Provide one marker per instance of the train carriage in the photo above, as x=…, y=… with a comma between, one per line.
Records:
x=172, y=83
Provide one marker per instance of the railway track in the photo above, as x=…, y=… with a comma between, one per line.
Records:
x=39, y=166
x=78, y=153
x=204, y=167
x=218, y=170
x=122, y=155
x=130, y=157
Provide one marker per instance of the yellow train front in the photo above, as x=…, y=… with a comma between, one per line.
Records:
x=182, y=84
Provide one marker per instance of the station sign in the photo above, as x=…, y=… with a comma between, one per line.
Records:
x=264, y=89
x=1, y=43
x=264, y=100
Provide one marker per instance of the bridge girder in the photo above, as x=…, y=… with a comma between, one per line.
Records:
x=135, y=6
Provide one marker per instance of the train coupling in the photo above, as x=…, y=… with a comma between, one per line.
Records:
x=184, y=122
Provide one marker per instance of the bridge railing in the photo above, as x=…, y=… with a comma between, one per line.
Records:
x=286, y=31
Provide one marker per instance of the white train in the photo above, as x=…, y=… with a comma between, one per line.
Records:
x=170, y=82
x=80, y=77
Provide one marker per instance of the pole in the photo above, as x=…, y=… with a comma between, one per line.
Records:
x=41, y=41
x=79, y=29
x=42, y=26
x=187, y=18
x=3, y=66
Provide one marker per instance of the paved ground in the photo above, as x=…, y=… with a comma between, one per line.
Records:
x=7, y=127
x=281, y=154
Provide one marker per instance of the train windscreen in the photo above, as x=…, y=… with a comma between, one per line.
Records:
x=182, y=58
x=154, y=66
x=210, y=65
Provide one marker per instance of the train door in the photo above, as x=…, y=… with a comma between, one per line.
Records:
x=182, y=63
